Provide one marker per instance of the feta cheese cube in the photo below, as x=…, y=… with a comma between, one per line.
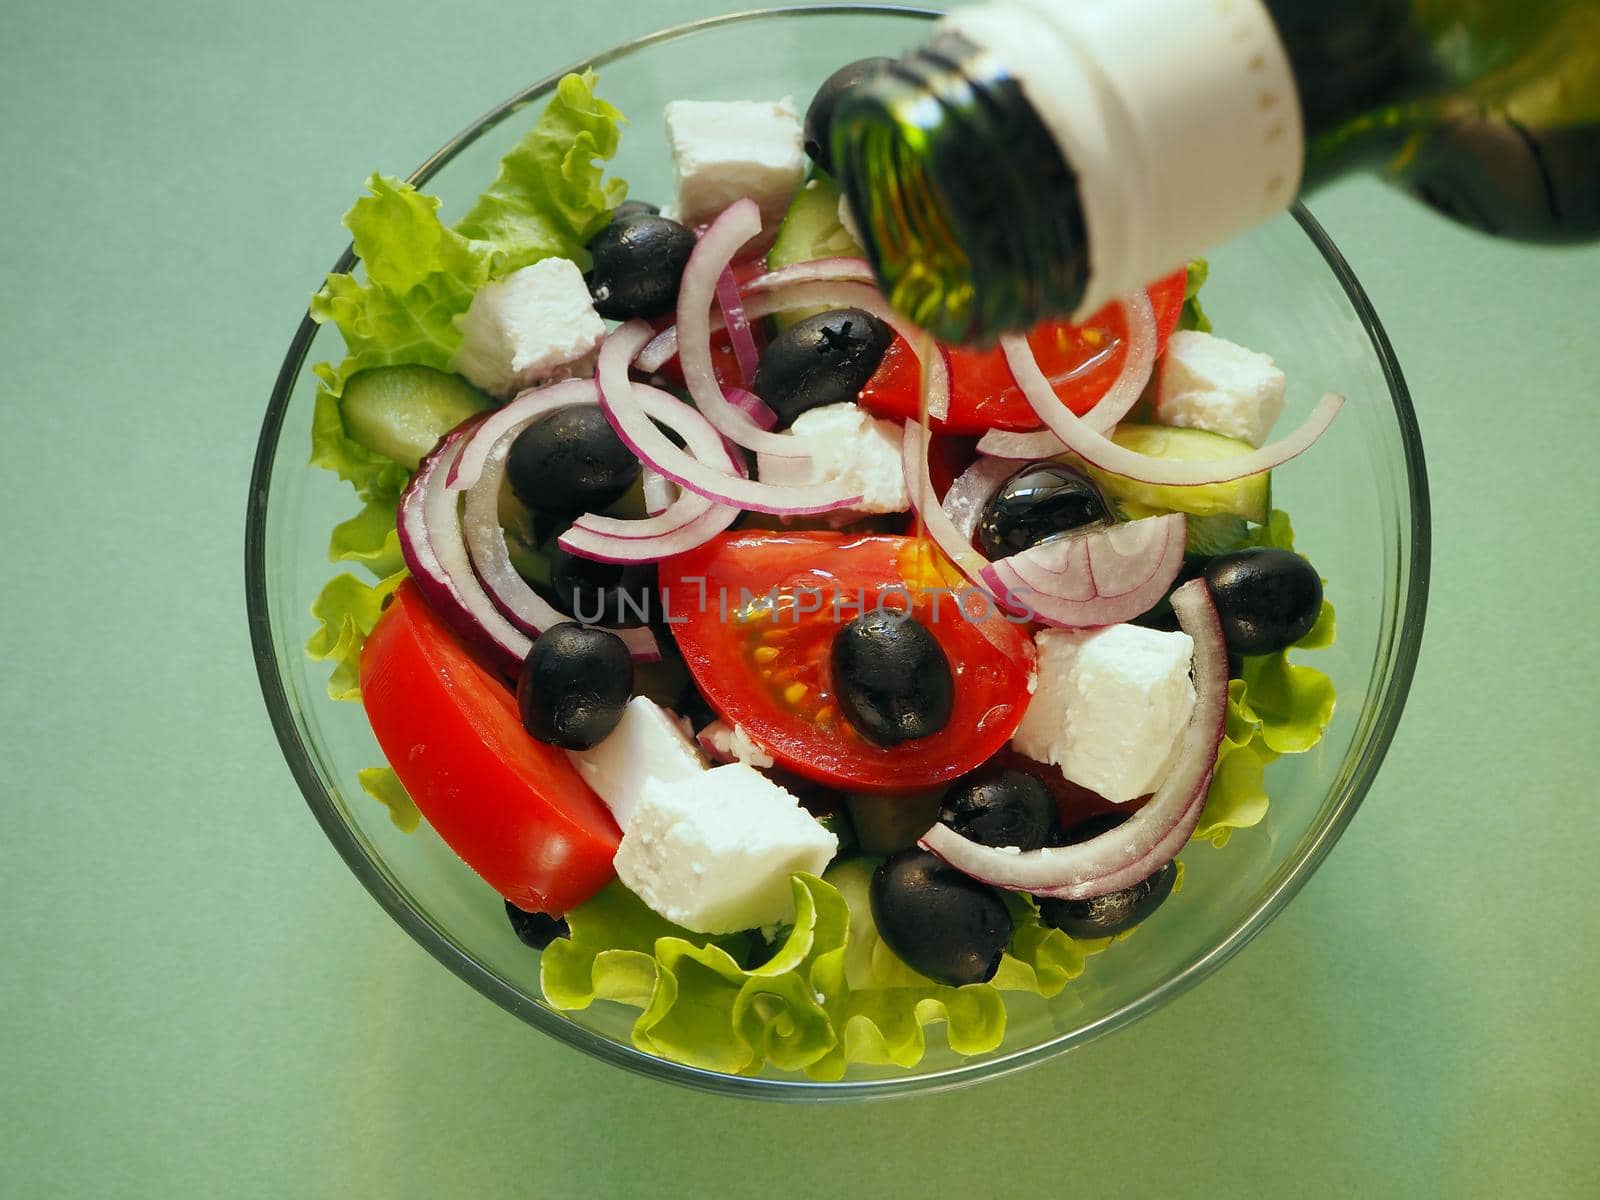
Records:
x=714, y=853
x=647, y=743
x=723, y=151
x=846, y=443
x=1209, y=383
x=1111, y=706
x=534, y=326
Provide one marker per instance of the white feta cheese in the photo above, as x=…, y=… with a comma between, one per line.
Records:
x=1111, y=706
x=845, y=442
x=714, y=853
x=647, y=743
x=1209, y=383
x=534, y=326
x=723, y=151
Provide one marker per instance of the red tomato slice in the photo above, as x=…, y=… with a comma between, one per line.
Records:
x=1081, y=362
x=513, y=808
x=767, y=668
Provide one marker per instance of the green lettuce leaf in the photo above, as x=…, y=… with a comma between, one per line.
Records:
x=346, y=611
x=369, y=538
x=827, y=995
x=549, y=198
x=384, y=786
x=1193, y=316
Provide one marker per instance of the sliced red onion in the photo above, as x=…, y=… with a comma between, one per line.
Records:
x=479, y=522
x=1098, y=578
x=619, y=397
x=709, y=737
x=1118, y=400
x=519, y=412
x=662, y=349
x=1100, y=451
x=435, y=554
x=944, y=532
x=689, y=521
x=817, y=270
x=658, y=494
x=964, y=502
x=738, y=325
x=1151, y=837
x=752, y=406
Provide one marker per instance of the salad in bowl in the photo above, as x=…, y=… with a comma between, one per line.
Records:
x=802, y=698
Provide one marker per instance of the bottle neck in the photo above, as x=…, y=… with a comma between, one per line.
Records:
x=1179, y=117
x=965, y=201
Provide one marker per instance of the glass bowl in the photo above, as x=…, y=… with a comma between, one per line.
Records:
x=1359, y=502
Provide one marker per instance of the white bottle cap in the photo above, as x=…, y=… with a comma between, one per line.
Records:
x=1179, y=118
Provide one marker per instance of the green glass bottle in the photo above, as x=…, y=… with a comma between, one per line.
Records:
x=1037, y=158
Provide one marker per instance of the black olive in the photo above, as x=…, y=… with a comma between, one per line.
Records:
x=536, y=929
x=1266, y=598
x=574, y=686
x=891, y=678
x=940, y=922
x=1001, y=808
x=1040, y=501
x=611, y=594
x=637, y=266
x=826, y=358
x=1110, y=914
x=819, y=115
x=629, y=209
x=571, y=461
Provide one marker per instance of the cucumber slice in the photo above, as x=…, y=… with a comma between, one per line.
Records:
x=1249, y=498
x=811, y=230
x=402, y=412
x=887, y=823
x=1219, y=533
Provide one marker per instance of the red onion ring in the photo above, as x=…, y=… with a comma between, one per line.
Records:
x=1100, y=451
x=658, y=493
x=738, y=325
x=945, y=534
x=752, y=406
x=516, y=411
x=1098, y=578
x=1118, y=400
x=1152, y=836
x=619, y=400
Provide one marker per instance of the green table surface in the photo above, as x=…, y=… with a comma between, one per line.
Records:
x=198, y=999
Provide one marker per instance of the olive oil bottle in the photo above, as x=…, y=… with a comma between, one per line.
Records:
x=1039, y=157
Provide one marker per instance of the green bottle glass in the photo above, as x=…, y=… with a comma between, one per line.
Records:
x=1037, y=158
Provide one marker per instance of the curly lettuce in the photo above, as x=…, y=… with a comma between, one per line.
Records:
x=828, y=994
x=1192, y=316
x=347, y=610
x=1277, y=707
x=384, y=786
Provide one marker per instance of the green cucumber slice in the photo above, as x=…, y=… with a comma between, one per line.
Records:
x=811, y=230
x=1249, y=498
x=402, y=412
x=1220, y=533
x=890, y=822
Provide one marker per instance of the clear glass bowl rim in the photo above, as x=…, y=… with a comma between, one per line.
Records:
x=1402, y=665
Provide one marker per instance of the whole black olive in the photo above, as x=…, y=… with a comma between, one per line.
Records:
x=891, y=678
x=1001, y=808
x=824, y=359
x=574, y=685
x=637, y=266
x=1266, y=598
x=819, y=115
x=536, y=929
x=1040, y=501
x=1104, y=916
x=609, y=594
x=940, y=922
x=571, y=461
